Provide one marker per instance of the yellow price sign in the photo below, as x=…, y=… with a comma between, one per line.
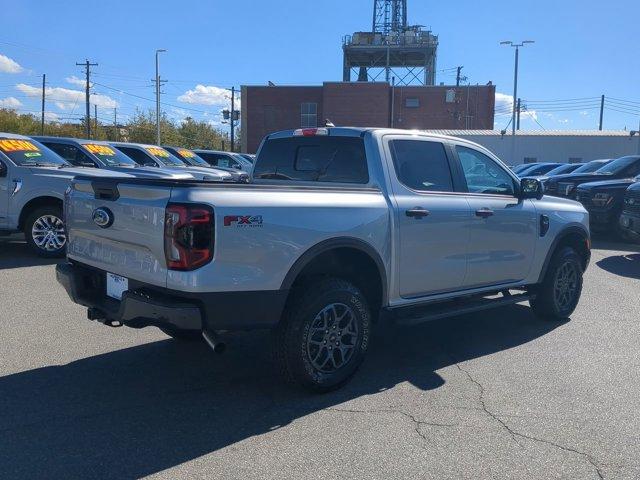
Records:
x=100, y=149
x=158, y=152
x=14, y=145
x=186, y=153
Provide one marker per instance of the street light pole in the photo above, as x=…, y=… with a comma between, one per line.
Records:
x=158, y=96
x=515, y=78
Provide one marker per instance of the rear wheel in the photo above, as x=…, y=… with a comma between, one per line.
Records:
x=559, y=293
x=324, y=335
x=45, y=232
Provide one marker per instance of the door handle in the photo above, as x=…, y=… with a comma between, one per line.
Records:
x=484, y=213
x=418, y=212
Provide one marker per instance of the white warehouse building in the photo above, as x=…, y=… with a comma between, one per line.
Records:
x=564, y=146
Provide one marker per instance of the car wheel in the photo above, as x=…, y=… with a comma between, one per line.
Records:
x=559, y=293
x=45, y=232
x=324, y=335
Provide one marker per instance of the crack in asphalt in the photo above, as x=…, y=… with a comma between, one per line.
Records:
x=416, y=422
x=515, y=434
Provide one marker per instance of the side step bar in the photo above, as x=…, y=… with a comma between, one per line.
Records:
x=417, y=315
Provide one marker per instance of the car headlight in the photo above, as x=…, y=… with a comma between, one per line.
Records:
x=602, y=199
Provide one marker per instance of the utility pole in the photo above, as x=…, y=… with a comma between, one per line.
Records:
x=458, y=76
x=87, y=66
x=519, y=109
x=232, y=117
x=157, y=80
x=95, y=120
x=515, y=79
x=44, y=81
x=601, y=112
x=115, y=123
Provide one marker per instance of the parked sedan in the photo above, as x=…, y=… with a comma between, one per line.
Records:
x=621, y=168
x=538, y=169
x=154, y=156
x=96, y=154
x=192, y=158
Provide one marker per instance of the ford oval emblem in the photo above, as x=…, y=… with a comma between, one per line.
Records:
x=103, y=217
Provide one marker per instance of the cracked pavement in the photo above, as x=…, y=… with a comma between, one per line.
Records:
x=496, y=395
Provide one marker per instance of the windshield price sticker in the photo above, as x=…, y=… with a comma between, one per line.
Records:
x=158, y=152
x=100, y=149
x=186, y=154
x=10, y=145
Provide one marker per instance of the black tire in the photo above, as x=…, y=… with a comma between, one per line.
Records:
x=183, y=335
x=305, y=338
x=52, y=249
x=559, y=293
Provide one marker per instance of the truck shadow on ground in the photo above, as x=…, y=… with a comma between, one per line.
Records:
x=14, y=253
x=623, y=265
x=141, y=410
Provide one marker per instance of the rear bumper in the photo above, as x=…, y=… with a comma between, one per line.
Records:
x=146, y=305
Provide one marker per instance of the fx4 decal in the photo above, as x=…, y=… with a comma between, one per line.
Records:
x=243, y=221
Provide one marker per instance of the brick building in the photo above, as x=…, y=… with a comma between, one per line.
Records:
x=267, y=109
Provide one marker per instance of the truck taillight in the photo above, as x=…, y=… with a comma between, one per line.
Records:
x=310, y=132
x=188, y=236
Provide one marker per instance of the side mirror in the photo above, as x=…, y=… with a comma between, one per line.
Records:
x=3, y=170
x=531, y=188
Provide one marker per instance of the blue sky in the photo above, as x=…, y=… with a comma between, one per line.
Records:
x=584, y=49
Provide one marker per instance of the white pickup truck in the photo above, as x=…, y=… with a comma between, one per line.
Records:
x=339, y=229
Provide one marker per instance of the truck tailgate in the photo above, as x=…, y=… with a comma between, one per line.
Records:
x=131, y=242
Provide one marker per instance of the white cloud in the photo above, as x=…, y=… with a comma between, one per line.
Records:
x=8, y=65
x=73, y=80
x=208, y=95
x=51, y=116
x=67, y=98
x=10, y=102
x=504, y=107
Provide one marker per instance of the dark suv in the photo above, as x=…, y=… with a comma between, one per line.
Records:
x=630, y=218
x=567, y=185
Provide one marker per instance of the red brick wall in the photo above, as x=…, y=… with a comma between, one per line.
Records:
x=357, y=104
x=270, y=109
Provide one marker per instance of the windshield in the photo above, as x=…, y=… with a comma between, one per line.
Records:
x=618, y=165
x=248, y=157
x=165, y=157
x=568, y=168
x=540, y=169
x=109, y=156
x=29, y=153
x=191, y=158
x=591, y=167
x=246, y=164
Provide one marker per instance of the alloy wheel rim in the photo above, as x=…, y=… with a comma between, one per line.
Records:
x=48, y=233
x=332, y=338
x=566, y=285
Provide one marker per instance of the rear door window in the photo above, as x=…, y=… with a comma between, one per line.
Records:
x=313, y=159
x=422, y=165
x=138, y=156
x=71, y=154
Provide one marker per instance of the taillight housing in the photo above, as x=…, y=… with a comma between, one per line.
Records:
x=189, y=231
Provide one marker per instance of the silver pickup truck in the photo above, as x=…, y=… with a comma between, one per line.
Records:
x=340, y=229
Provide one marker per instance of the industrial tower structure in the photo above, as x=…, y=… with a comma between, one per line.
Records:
x=393, y=49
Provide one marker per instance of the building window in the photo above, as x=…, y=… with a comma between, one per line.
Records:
x=530, y=159
x=309, y=115
x=412, y=102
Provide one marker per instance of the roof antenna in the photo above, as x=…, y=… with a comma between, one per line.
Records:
x=328, y=123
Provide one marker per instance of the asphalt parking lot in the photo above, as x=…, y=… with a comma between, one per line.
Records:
x=499, y=394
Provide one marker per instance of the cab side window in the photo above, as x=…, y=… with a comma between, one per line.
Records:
x=483, y=174
x=138, y=156
x=71, y=154
x=422, y=165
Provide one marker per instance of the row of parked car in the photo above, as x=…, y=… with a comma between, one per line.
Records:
x=609, y=189
x=36, y=171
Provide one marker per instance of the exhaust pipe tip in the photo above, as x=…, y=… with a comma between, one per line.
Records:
x=212, y=340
